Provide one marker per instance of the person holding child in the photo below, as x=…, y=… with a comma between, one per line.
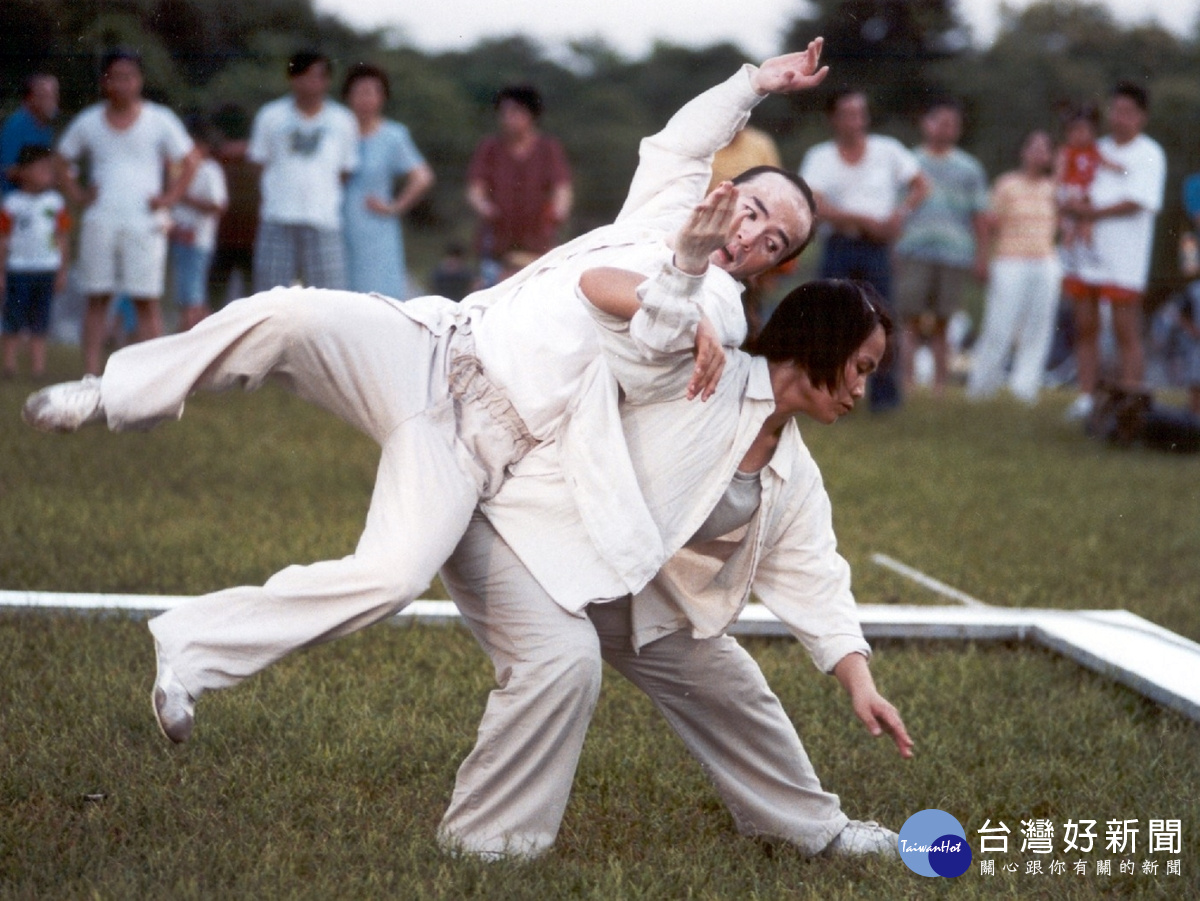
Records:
x=1114, y=266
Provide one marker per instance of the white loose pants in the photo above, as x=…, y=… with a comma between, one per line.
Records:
x=512, y=789
x=445, y=434
x=1022, y=301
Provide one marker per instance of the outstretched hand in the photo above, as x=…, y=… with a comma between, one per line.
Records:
x=711, y=226
x=792, y=71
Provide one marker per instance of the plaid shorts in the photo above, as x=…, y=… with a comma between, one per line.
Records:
x=286, y=254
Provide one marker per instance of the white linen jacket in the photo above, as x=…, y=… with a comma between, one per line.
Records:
x=573, y=510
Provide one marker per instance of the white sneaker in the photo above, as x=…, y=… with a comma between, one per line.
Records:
x=65, y=407
x=864, y=837
x=1080, y=409
x=174, y=708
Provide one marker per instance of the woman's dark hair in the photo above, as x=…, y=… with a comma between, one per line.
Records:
x=360, y=71
x=116, y=55
x=525, y=95
x=1080, y=112
x=819, y=325
x=303, y=60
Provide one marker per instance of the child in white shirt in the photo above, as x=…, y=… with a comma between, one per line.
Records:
x=33, y=251
x=194, y=231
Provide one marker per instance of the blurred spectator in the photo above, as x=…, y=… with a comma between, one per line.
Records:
x=194, y=230
x=866, y=185
x=1023, y=279
x=519, y=185
x=1191, y=207
x=33, y=256
x=233, y=257
x=1126, y=198
x=30, y=123
x=129, y=143
x=452, y=276
x=1175, y=332
x=942, y=242
x=307, y=145
x=373, y=207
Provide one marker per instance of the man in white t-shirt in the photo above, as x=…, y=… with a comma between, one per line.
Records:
x=129, y=143
x=865, y=185
x=1115, y=265
x=307, y=145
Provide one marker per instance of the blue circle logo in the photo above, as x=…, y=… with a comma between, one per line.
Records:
x=933, y=843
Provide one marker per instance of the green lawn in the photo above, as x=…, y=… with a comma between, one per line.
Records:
x=325, y=776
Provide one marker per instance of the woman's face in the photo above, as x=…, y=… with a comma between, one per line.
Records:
x=827, y=405
x=366, y=98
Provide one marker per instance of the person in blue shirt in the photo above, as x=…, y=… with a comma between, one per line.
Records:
x=31, y=123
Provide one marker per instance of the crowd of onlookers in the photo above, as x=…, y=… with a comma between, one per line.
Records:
x=316, y=193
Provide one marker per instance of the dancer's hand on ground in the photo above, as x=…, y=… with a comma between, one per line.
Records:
x=713, y=224
x=879, y=716
x=875, y=711
x=710, y=361
x=792, y=71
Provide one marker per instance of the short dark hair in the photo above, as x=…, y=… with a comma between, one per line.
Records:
x=801, y=185
x=116, y=55
x=303, y=60
x=941, y=101
x=1081, y=112
x=819, y=325
x=31, y=153
x=1134, y=92
x=359, y=71
x=832, y=101
x=29, y=82
x=525, y=95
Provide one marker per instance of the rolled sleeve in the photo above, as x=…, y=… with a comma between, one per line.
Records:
x=644, y=374
x=669, y=314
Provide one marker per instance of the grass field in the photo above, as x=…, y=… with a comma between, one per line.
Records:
x=325, y=776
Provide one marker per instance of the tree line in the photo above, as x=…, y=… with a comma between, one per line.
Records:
x=229, y=56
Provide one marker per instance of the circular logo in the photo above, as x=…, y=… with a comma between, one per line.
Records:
x=934, y=843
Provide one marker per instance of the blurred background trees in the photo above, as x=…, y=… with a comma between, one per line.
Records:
x=202, y=55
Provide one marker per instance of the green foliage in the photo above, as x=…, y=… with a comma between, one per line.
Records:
x=205, y=54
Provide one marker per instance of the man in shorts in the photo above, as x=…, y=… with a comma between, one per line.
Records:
x=944, y=241
x=1114, y=268
x=129, y=142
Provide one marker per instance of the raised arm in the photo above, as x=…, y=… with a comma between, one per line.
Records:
x=675, y=164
